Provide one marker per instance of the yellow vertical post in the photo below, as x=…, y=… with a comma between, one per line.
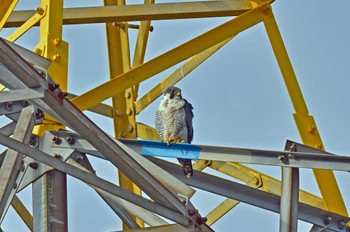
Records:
x=305, y=123
x=123, y=103
x=54, y=48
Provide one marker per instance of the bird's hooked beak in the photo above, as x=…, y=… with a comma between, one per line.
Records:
x=174, y=93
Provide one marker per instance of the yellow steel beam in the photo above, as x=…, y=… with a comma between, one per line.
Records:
x=200, y=165
x=176, y=76
x=54, y=48
x=141, y=12
x=22, y=211
x=217, y=213
x=141, y=44
x=6, y=9
x=170, y=58
x=227, y=205
x=269, y=184
x=252, y=178
x=122, y=103
x=102, y=109
x=147, y=132
x=305, y=123
x=40, y=13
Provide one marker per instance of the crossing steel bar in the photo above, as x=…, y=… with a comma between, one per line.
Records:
x=22, y=211
x=80, y=123
x=252, y=196
x=241, y=155
x=27, y=25
x=21, y=94
x=10, y=169
x=91, y=179
x=167, y=180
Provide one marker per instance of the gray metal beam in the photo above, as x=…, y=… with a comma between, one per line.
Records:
x=123, y=214
x=91, y=179
x=11, y=107
x=50, y=202
x=81, y=161
x=83, y=146
x=252, y=196
x=307, y=158
x=12, y=167
x=289, y=200
x=20, y=95
x=37, y=169
x=289, y=197
x=165, y=228
x=8, y=129
x=76, y=120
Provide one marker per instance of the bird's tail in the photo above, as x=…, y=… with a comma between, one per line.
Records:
x=186, y=167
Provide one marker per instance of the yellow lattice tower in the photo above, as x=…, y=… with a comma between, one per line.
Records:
x=127, y=73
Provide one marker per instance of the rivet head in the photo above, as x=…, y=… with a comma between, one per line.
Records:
x=318, y=146
x=118, y=112
x=130, y=128
x=38, y=51
x=327, y=220
x=283, y=159
x=70, y=140
x=57, y=41
x=56, y=57
x=128, y=94
x=57, y=140
x=341, y=225
x=129, y=111
x=39, y=11
x=312, y=129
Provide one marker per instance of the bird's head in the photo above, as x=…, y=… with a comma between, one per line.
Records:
x=173, y=93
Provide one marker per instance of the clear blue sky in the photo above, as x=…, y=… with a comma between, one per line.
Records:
x=238, y=95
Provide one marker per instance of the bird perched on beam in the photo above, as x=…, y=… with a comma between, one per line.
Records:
x=174, y=122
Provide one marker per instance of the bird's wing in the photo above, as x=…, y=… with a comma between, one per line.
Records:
x=188, y=117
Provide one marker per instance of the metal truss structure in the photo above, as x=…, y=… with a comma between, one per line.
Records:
x=41, y=152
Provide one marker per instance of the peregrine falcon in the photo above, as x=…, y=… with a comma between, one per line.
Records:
x=174, y=122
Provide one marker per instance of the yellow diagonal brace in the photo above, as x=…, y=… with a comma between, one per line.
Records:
x=269, y=184
x=227, y=205
x=147, y=132
x=217, y=213
x=306, y=125
x=141, y=44
x=40, y=13
x=102, y=109
x=176, y=76
x=169, y=58
x=22, y=211
x=6, y=9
